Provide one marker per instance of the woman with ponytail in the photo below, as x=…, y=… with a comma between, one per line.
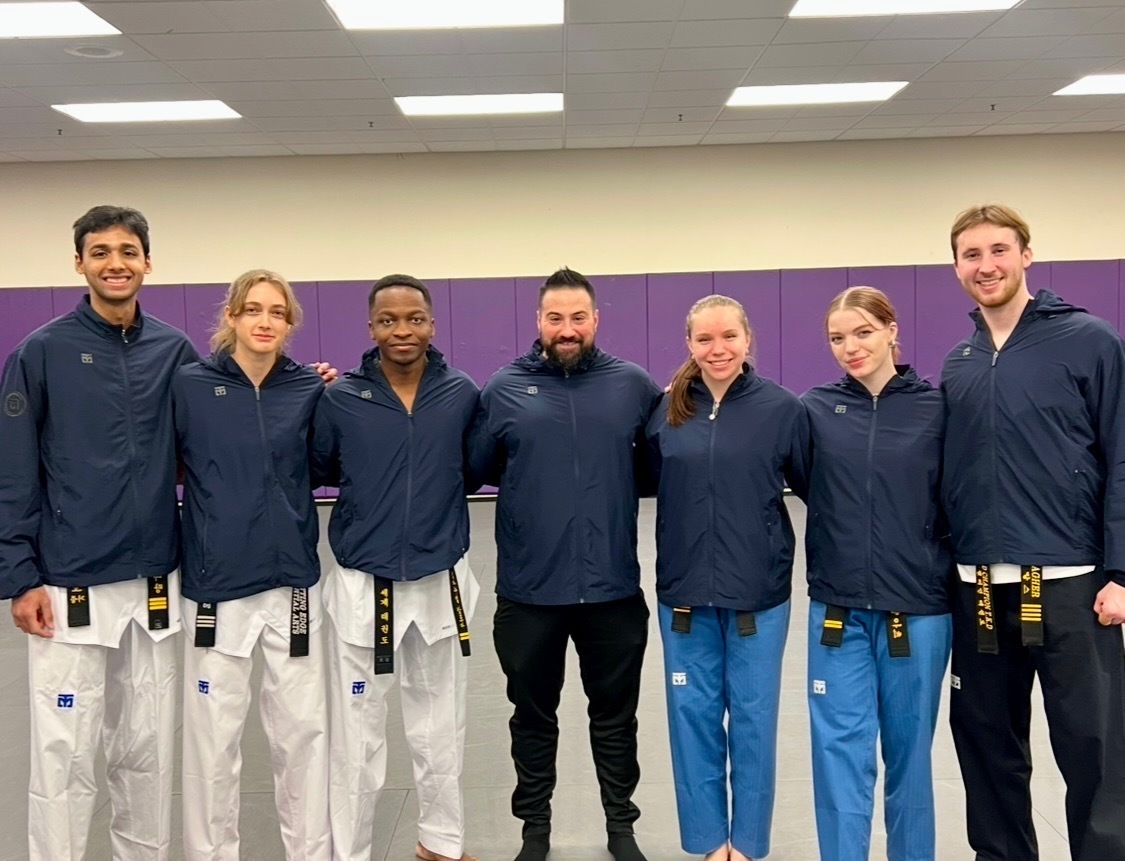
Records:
x=722, y=443
x=878, y=573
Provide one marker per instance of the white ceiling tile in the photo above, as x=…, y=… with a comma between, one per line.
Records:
x=30, y=51
x=437, y=123
x=797, y=30
x=697, y=59
x=583, y=118
x=1102, y=114
x=598, y=143
x=690, y=98
x=830, y=54
x=1082, y=128
x=604, y=131
x=859, y=109
x=112, y=93
x=1026, y=48
x=461, y=146
x=51, y=155
x=954, y=26
x=884, y=121
x=699, y=80
x=673, y=129
x=468, y=86
x=802, y=137
x=624, y=83
x=1070, y=68
x=393, y=147
x=512, y=40
x=798, y=124
x=554, y=143
x=289, y=90
x=429, y=135
x=993, y=105
x=529, y=133
x=333, y=137
x=906, y=107
x=732, y=33
x=1029, y=129
x=874, y=134
x=586, y=11
x=17, y=99
x=232, y=46
x=526, y=120
x=990, y=70
x=880, y=72
x=520, y=84
x=1064, y=4
x=962, y=119
x=1046, y=22
x=367, y=109
x=761, y=76
x=325, y=148
x=1115, y=23
x=1018, y=87
x=8, y=157
x=667, y=140
x=606, y=101
x=907, y=50
x=495, y=65
x=421, y=66
x=947, y=132
x=249, y=15
x=145, y=16
x=1108, y=45
x=612, y=62
x=1030, y=116
x=710, y=9
x=89, y=72
x=746, y=113
x=232, y=70
x=943, y=89
x=398, y=43
x=681, y=114
x=1090, y=103
x=724, y=139
x=318, y=68
x=617, y=37
x=740, y=127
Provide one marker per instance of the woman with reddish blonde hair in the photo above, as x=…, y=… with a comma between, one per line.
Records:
x=878, y=573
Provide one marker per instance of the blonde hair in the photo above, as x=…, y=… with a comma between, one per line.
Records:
x=223, y=338
x=681, y=407
x=990, y=213
x=871, y=303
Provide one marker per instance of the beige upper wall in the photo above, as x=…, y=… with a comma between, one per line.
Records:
x=601, y=211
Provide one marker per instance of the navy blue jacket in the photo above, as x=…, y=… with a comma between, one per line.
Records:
x=562, y=446
x=723, y=535
x=876, y=537
x=402, y=512
x=1035, y=443
x=250, y=523
x=88, y=471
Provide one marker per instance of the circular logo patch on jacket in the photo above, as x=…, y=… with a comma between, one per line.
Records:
x=15, y=404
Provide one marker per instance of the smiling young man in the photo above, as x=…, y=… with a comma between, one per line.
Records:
x=558, y=432
x=1034, y=487
x=89, y=545
x=400, y=597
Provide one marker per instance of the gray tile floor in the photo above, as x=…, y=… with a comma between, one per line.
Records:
x=578, y=825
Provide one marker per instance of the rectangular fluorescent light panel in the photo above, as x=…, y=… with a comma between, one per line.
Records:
x=813, y=94
x=51, y=21
x=445, y=14
x=1095, y=85
x=857, y=8
x=149, y=112
x=457, y=106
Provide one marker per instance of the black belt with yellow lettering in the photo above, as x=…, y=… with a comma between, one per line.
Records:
x=385, y=626
x=1031, y=608
x=78, y=605
x=681, y=621
x=898, y=634
x=207, y=618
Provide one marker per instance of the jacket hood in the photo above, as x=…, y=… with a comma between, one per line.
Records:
x=905, y=380
x=369, y=364
x=1044, y=304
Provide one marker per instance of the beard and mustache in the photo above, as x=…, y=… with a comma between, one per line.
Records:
x=570, y=359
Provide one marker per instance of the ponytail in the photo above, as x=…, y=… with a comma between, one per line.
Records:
x=681, y=405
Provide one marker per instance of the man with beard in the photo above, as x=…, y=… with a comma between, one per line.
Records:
x=1034, y=486
x=558, y=433
x=400, y=594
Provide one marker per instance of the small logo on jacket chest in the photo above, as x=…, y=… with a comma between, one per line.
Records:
x=533, y=390
x=365, y=394
x=87, y=358
x=841, y=409
x=220, y=391
x=967, y=351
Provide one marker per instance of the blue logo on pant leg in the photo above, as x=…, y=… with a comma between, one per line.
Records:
x=204, y=687
x=66, y=701
x=358, y=688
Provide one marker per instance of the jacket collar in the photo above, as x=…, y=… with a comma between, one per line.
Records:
x=533, y=360
x=95, y=322
x=905, y=379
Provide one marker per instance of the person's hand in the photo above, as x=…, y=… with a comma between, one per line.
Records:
x=32, y=613
x=1110, y=604
x=328, y=374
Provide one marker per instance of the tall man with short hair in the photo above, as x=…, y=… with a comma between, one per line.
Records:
x=89, y=547
x=558, y=433
x=1034, y=486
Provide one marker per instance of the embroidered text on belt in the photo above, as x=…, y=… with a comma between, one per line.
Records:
x=78, y=605
x=898, y=633
x=385, y=627
x=207, y=618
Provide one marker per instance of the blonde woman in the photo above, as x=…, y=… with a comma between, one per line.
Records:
x=250, y=574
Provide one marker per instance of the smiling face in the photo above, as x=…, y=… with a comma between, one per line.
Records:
x=863, y=347
x=719, y=342
x=991, y=266
x=567, y=322
x=402, y=326
x=114, y=264
x=262, y=325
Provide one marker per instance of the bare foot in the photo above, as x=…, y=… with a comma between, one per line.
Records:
x=720, y=854
x=426, y=855
x=735, y=855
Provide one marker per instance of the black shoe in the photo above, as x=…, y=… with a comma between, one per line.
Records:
x=624, y=847
x=535, y=848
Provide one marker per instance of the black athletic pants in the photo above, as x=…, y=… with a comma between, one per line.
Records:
x=1081, y=670
x=531, y=643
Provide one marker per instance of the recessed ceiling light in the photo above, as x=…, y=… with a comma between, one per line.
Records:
x=1095, y=85
x=51, y=21
x=814, y=94
x=445, y=14
x=93, y=52
x=504, y=103
x=856, y=8
x=149, y=112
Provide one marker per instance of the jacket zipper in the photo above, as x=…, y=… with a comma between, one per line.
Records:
x=870, y=498
x=129, y=425
x=268, y=471
x=578, y=493
x=711, y=497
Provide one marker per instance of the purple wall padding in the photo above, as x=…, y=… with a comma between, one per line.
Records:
x=201, y=303
x=304, y=346
x=1090, y=284
x=670, y=297
x=443, y=317
x=484, y=334
x=622, y=313
x=342, y=323
x=527, y=303
x=22, y=312
x=1121, y=298
x=941, y=317
x=63, y=299
x=806, y=360
x=760, y=295
x=165, y=302
x=898, y=283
